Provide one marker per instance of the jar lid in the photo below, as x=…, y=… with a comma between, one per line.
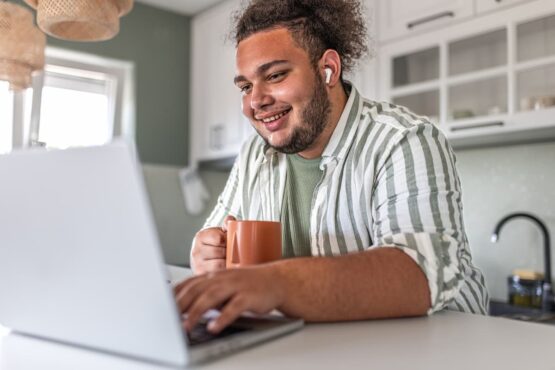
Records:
x=526, y=282
x=528, y=274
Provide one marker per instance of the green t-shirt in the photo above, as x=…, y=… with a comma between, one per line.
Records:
x=302, y=177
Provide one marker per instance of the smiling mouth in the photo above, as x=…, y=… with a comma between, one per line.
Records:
x=275, y=117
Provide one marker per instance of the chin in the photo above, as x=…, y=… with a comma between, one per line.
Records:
x=277, y=140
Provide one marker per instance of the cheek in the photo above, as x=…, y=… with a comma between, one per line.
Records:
x=293, y=93
x=246, y=107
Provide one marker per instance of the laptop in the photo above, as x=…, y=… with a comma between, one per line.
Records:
x=80, y=261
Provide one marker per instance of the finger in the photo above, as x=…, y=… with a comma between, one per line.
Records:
x=213, y=265
x=182, y=285
x=230, y=312
x=226, y=220
x=210, y=298
x=206, y=266
x=210, y=253
x=214, y=238
x=189, y=293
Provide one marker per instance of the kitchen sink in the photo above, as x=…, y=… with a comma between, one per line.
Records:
x=503, y=309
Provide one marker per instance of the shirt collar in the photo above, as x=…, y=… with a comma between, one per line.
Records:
x=344, y=131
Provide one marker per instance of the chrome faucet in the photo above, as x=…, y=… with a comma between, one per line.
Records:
x=547, y=290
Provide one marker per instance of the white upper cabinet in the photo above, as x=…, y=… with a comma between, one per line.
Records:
x=483, y=6
x=405, y=17
x=365, y=74
x=487, y=80
x=217, y=124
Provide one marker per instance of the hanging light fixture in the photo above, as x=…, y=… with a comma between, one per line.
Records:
x=21, y=46
x=80, y=20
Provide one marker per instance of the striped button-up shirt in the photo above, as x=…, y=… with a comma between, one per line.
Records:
x=388, y=180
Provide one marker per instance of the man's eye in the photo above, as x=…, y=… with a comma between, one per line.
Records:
x=245, y=88
x=276, y=76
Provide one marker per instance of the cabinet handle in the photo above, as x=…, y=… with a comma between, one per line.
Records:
x=216, y=137
x=434, y=17
x=480, y=125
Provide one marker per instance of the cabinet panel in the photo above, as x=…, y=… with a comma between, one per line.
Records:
x=477, y=99
x=425, y=103
x=536, y=38
x=483, y=6
x=365, y=74
x=405, y=17
x=471, y=54
x=536, y=88
x=416, y=67
x=217, y=124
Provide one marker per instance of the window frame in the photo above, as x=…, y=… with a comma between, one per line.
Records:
x=25, y=131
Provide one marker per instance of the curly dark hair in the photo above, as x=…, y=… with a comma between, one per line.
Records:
x=315, y=25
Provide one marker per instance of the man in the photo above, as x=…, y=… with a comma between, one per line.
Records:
x=367, y=192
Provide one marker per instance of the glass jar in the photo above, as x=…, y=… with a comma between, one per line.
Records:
x=524, y=292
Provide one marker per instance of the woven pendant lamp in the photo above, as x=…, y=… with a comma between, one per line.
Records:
x=21, y=46
x=80, y=20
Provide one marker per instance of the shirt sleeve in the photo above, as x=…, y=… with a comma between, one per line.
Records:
x=228, y=203
x=416, y=207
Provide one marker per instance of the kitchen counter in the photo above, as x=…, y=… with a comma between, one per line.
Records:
x=447, y=340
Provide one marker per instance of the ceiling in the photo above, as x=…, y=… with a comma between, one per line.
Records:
x=186, y=7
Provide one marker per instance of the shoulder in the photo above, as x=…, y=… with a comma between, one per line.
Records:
x=385, y=128
x=392, y=117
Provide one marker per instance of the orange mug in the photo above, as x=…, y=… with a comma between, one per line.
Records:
x=252, y=242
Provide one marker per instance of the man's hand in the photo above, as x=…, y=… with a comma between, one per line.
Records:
x=256, y=289
x=208, y=253
x=374, y=284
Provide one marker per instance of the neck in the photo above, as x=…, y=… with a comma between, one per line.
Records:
x=338, y=98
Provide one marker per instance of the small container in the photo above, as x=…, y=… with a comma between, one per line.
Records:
x=525, y=292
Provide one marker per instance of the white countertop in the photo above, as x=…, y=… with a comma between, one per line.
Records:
x=447, y=340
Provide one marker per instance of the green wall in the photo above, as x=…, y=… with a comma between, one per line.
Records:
x=157, y=41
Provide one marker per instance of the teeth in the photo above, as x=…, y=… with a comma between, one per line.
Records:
x=273, y=118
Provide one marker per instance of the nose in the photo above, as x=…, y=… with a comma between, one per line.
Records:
x=260, y=97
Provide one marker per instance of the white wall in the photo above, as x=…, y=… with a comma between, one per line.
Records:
x=498, y=181
x=177, y=228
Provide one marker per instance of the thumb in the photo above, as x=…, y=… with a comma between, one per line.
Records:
x=226, y=220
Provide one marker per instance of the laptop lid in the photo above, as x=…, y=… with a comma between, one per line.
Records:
x=79, y=253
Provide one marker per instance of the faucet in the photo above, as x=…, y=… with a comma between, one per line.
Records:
x=547, y=290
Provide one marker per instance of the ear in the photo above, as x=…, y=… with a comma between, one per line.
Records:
x=331, y=61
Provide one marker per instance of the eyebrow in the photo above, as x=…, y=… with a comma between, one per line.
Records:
x=260, y=70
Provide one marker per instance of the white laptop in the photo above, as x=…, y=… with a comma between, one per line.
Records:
x=80, y=261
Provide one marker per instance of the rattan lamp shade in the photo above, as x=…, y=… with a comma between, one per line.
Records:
x=80, y=20
x=21, y=46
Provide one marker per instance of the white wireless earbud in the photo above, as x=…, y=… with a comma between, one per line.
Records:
x=328, y=75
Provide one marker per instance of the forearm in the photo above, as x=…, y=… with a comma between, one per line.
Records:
x=379, y=283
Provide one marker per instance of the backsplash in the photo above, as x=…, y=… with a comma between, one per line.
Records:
x=495, y=181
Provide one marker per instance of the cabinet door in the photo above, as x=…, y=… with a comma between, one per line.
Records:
x=483, y=6
x=535, y=75
x=365, y=74
x=217, y=124
x=404, y=17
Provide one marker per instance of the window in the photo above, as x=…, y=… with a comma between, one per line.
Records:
x=79, y=100
x=75, y=108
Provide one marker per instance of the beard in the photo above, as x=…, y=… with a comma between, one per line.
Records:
x=314, y=119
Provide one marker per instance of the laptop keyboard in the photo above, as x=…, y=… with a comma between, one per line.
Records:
x=200, y=334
